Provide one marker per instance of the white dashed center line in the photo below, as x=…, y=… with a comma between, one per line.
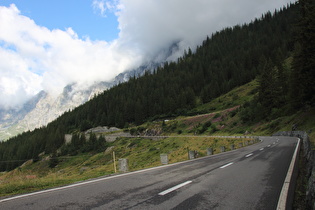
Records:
x=226, y=165
x=262, y=149
x=174, y=188
x=249, y=155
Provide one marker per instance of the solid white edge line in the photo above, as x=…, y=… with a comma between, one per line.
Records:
x=226, y=165
x=285, y=188
x=174, y=188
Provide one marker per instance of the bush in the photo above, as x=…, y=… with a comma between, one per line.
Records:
x=53, y=161
x=133, y=131
x=213, y=128
x=217, y=115
x=152, y=149
x=233, y=113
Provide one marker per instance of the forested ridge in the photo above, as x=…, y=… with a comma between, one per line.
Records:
x=225, y=60
x=285, y=87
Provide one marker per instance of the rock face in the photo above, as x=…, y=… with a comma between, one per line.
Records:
x=102, y=130
x=9, y=119
x=50, y=107
x=11, y=116
x=44, y=107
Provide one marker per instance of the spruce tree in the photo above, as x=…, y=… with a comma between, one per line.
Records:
x=266, y=94
x=303, y=72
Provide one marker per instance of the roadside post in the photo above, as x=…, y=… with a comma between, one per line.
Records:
x=164, y=159
x=123, y=165
x=210, y=151
x=192, y=155
x=114, y=158
x=223, y=149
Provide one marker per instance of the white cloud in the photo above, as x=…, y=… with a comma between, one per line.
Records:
x=151, y=25
x=34, y=58
x=102, y=6
x=17, y=83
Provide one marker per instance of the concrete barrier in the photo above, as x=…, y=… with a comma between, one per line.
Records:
x=123, y=165
x=164, y=159
x=209, y=151
x=192, y=155
x=309, y=155
x=222, y=149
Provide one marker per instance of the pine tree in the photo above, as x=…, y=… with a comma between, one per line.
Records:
x=303, y=72
x=267, y=87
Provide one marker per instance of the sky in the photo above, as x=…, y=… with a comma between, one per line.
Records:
x=46, y=45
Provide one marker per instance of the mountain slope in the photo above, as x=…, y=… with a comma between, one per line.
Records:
x=9, y=119
x=44, y=108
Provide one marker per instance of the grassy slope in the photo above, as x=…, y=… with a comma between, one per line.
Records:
x=219, y=117
x=140, y=152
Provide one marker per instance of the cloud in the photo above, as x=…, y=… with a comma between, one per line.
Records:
x=152, y=25
x=16, y=85
x=102, y=6
x=33, y=57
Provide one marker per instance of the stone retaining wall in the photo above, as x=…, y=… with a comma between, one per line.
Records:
x=309, y=156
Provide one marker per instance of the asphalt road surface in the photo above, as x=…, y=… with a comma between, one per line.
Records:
x=247, y=178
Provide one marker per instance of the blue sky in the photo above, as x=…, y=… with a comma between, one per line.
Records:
x=80, y=15
x=48, y=44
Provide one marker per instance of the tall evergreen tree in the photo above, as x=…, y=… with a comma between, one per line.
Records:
x=303, y=72
x=266, y=92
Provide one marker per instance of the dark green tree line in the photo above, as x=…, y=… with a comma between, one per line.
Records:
x=303, y=71
x=282, y=89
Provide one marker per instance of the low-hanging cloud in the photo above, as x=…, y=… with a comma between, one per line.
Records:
x=33, y=57
x=152, y=25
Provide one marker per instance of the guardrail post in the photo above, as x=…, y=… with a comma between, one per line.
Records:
x=232, y=147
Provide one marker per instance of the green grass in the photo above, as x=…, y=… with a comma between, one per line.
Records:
x=233, y=98
x=140, y=152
